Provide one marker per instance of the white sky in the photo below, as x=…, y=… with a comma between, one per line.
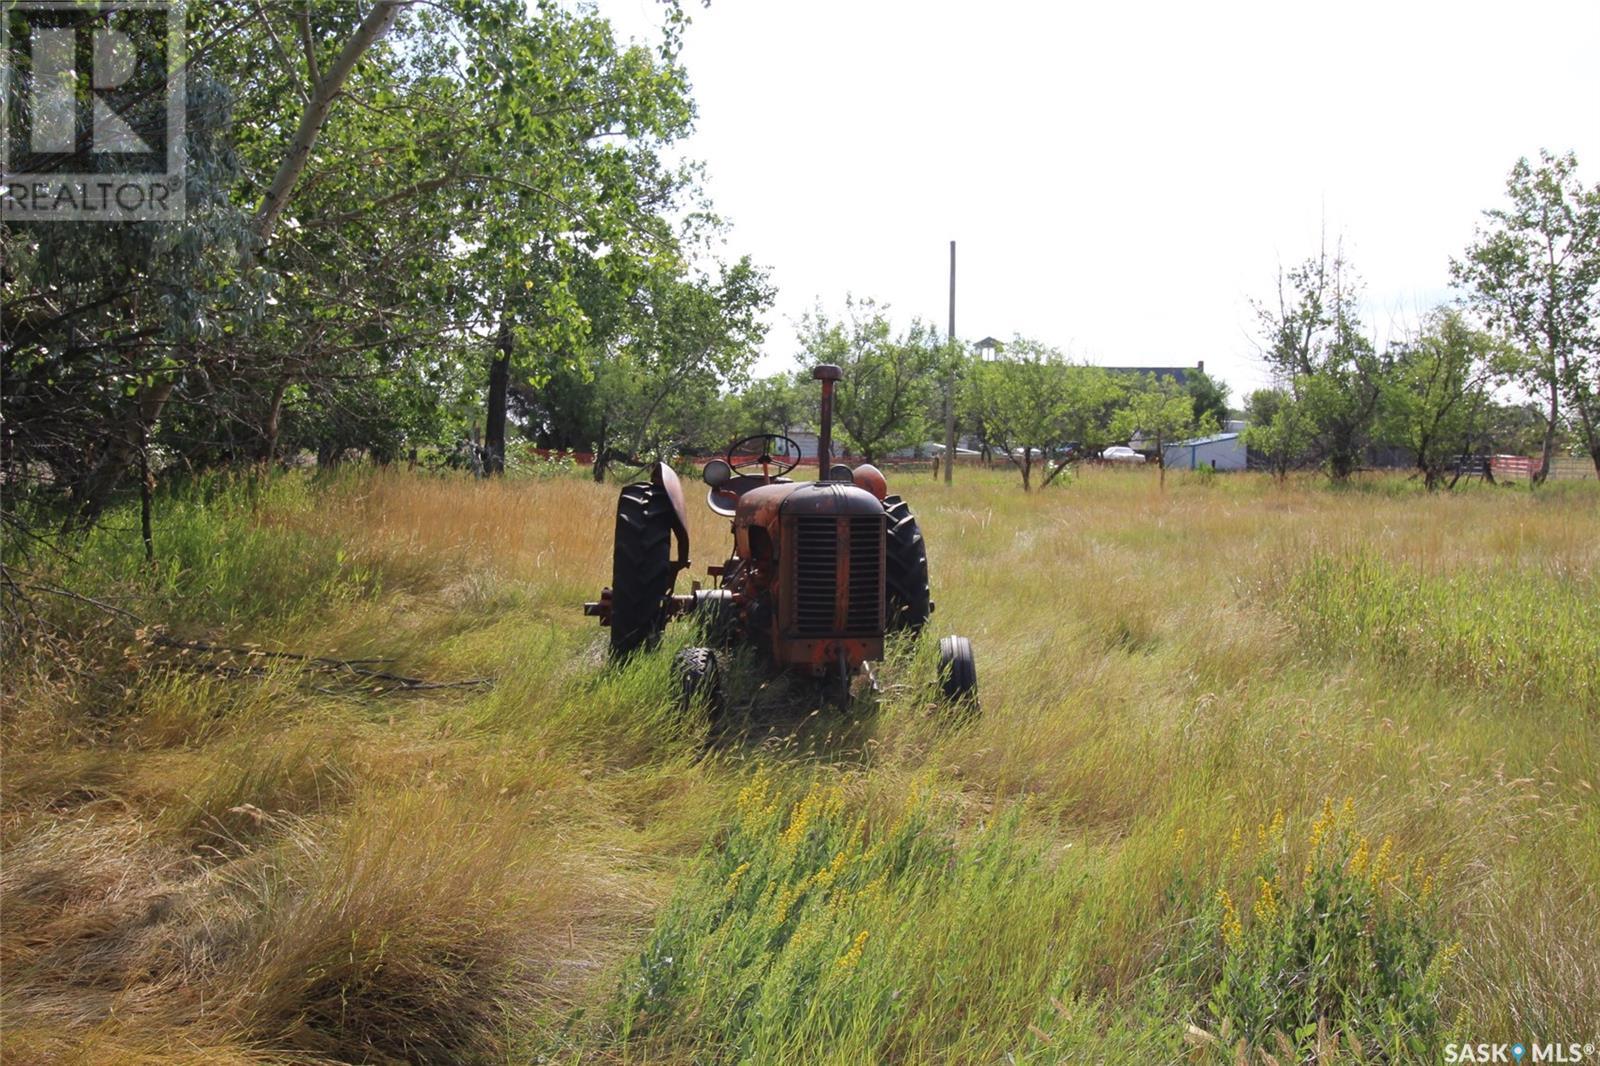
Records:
x=1121, y=179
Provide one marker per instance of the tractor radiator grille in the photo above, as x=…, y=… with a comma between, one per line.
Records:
x=866, y=576
x=818, y=541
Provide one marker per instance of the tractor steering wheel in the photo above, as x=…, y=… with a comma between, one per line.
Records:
x=771, y=466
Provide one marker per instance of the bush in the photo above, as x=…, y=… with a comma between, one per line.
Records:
x=1345, y=948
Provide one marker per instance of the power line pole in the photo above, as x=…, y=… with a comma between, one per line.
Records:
x=950, y=380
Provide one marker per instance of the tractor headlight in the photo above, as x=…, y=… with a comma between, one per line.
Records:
x=716, y=472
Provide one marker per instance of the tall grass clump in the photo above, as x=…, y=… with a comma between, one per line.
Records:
x=229, y=550
x=1524, y=633
x=813, y=933
x=403, y=934
x=1342, y=951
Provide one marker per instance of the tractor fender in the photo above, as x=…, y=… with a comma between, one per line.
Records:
x=666, y=478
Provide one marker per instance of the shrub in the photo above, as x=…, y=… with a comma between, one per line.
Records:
x=1343, y=948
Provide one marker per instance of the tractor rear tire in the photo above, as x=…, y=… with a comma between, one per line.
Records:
x=699, y=681
x=958, y=671
x=905, y=569
x=641, y=568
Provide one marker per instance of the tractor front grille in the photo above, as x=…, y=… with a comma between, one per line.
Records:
x=818, y=542
x=866, y=576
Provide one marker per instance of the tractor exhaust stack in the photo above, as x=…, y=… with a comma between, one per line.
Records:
x=827, y=373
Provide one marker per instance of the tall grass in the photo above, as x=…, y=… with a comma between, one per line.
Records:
x=222, y=858
x=1528, y=632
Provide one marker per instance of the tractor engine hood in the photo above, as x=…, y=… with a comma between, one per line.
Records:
x=759, y=511
x=761, y=505
x=830, y=498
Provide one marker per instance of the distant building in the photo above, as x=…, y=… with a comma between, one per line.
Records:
x=1178, y=375
x=1220, y=451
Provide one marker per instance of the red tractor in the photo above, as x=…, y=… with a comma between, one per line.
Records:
x=820, y=571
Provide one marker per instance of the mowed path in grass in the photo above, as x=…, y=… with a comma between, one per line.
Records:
x=265, y=863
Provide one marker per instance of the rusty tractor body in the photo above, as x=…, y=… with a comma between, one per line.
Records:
x=820, y=572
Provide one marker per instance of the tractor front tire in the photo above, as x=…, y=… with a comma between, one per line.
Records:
x=699, y=680
x=958, y=671
x=641, y=568
x=905, y=577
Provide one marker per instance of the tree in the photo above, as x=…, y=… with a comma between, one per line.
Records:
x=1277, y=429
x=1037, y=409
x=1161, y=411
x=1440, y=390
x=416, y=190
x=646, y=380
x=1209, y=394
x=1535, y=272
x=1312, y=338
x=773, y=404
x=689, y=338
x=889, y=381
x=98, y=323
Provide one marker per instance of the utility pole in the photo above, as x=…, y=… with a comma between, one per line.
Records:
x=950, y=380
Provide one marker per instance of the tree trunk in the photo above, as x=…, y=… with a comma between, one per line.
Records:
x=494, y=421
x=146, y=518
x=1547, y=453
x=1586, y=409
x=269, y=432
x=95, y=490
x=602, y=455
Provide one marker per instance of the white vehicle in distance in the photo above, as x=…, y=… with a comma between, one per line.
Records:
x=1121, y=453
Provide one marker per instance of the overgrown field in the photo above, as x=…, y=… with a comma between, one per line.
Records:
x=1262, y=774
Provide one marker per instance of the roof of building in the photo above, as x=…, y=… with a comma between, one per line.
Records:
x=1215, y=438
x=1177, y=374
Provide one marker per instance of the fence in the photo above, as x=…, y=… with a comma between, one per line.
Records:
x=1562, y=467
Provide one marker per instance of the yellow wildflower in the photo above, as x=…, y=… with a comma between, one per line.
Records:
x=1358, y=862
x=733, y=880
x=827, y=876
x=786, y=900
x=752, y=798
x=1235, y=842
x=800, y=820
x=1320, y=827
x=1232, y=929
x=1266, y=907
x=852, y=955
x=1380, y=864
x=751, y=794
x=1275, y=830
x=1348, y=814
x=1177, y=838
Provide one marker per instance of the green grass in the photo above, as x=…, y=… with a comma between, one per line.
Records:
x=233, y=858
x=1531, y=632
